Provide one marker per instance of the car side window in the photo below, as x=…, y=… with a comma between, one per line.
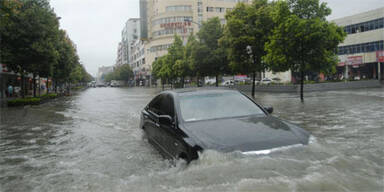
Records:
x=162, y=105
x=155, y=105
x=167, y=106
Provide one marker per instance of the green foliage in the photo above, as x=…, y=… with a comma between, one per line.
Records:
x=24, y=101
x=28, y=38
x=157, y=68
x=31, y=42
x=210, y=58
x=174, y=63
x=183, y=67
x=48, y=96
x=246, y=32
x=302, y=39
x=122, y=73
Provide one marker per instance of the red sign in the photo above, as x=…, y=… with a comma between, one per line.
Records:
x=240, y=77
x=175, y=25
x=380, y=56
x=3, y=68
x=355, y=60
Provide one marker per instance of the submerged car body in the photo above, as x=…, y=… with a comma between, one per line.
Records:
x=180, y=123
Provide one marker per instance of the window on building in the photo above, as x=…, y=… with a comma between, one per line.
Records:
x=182, y=8
x=365, y=26
x=361, y=48
x=209, y=9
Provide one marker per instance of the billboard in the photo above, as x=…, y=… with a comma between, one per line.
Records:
x=355, y=61
x=380, y=56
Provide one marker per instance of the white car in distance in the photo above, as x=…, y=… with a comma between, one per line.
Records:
x=266, y=81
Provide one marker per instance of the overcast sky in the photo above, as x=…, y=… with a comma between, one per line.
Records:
x=95, y=25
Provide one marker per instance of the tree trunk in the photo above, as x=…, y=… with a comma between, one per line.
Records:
x=217, y=80
x=182, y=82
x=22, y=86
x=46, y=86
x=162, y=83
x=39, y=86
x=302, y=86
x=253, y=83
x=34, y=85
x=197, y=81
x=56, y=87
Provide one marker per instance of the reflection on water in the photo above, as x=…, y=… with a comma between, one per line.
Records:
x=91, y=142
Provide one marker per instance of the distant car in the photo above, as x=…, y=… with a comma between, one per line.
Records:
x=266, y=81
x=276, y=79
x=181, y=123
x=210, y=81
x=227, y=83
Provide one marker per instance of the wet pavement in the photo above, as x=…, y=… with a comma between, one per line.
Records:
x=91, y=142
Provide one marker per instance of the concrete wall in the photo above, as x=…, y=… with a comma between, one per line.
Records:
x=311, y=87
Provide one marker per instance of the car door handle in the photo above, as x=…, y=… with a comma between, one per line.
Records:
x=157, y=125
x=176, y=144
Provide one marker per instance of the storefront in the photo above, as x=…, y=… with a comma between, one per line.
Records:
x=358, y=67
x=9, y=78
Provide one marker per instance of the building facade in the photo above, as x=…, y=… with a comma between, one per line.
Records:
x=161, y=19
x=361, y=55
x=129, y=34
x=102, y=72
x=140, y=67
x=119, y=58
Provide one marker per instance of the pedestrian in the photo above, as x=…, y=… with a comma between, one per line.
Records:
x=10, y=90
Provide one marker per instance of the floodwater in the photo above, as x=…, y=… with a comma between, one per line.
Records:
x=91, y=142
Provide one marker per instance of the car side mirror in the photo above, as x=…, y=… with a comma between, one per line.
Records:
x=269, y=109
x=165, y=119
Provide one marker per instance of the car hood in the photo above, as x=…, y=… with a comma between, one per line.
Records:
x=245, y=134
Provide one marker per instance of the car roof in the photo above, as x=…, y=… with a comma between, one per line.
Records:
x=198, y=91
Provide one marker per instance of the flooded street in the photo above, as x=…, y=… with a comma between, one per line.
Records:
x=91, y=142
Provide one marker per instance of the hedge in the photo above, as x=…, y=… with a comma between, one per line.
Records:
x=24, y=101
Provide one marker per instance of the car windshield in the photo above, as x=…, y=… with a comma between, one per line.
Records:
x=196, y=107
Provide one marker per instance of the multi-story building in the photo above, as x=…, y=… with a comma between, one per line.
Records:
x=161, y=19
x=140, y=68
x=119, y=59
x=129, y=34
x=361, y=55
x=102, y=72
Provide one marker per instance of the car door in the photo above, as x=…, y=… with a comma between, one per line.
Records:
x=151, y=124
x=170, y=135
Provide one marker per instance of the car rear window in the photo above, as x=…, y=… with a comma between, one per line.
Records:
x=195, y=107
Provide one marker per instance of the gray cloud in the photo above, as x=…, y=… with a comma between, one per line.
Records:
x=95, y=26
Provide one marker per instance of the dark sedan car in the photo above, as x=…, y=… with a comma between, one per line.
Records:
x=180, y=123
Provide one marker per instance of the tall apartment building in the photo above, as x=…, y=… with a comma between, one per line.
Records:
x=129, y=34
x=102, y=72
x=119, y=59
x=161, y=19
x=361, y=55
x=137, y=60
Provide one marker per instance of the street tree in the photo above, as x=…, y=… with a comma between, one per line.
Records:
x=157, y=69
x=175, y=53
x=303, y=40
x=125, y=72
x=216, y=62
x=183, y=67
x=247, y=30
x=28, y=34
x=66, y=61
